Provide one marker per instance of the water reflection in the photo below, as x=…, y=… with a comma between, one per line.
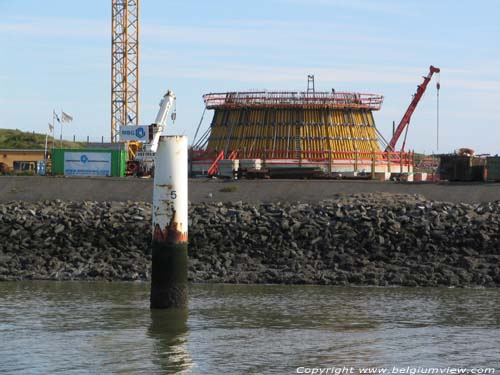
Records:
x=169, y=331
x=51, y=328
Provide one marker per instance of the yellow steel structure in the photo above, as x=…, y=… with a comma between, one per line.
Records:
x=124, y=65
x=297, y=125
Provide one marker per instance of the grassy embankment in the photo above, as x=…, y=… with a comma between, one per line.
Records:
x=17, y=139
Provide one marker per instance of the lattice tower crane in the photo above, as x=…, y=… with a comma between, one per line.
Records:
x=124, y=67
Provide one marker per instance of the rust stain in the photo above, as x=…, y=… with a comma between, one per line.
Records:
x=171, y=234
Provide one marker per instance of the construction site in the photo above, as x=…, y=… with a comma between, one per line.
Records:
x=273, y=134
x=297, y=134
x=257, y=134
x=332, y=211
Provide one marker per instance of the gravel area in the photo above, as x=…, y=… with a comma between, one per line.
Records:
x=39, y=188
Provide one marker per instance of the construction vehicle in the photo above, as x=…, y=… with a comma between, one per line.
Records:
x=391, y=147
x=143, y=163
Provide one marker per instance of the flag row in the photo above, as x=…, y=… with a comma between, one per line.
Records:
x=63, y=118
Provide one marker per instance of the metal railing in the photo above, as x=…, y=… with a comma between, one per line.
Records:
x=283, y=99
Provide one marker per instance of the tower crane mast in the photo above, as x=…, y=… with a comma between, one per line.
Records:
x=124, y=65
x=409, y=112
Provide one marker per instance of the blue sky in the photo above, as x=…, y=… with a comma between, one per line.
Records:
x=55, y=54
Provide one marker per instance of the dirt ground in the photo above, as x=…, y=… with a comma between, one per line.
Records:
x=38, y=188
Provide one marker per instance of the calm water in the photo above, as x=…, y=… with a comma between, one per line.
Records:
x=50, y=328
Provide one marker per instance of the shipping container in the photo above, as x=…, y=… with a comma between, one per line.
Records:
x=89, y=162
x=493, y=168
x=461, y=168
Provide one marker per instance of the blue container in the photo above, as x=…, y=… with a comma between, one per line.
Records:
x=41, y=168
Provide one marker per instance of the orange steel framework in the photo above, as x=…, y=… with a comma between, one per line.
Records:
x=124, y=65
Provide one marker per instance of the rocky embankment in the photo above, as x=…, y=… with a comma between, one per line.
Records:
x=350, y=240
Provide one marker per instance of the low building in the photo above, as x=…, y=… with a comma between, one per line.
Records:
x=21, y=160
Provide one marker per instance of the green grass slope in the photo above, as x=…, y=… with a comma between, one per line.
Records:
x=17, y=139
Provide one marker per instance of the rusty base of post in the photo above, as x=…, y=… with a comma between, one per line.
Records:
x=169, y=275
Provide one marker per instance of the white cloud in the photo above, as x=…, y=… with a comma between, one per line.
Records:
x=262, y=33
x=366, y=74
x=380, y=6
x=56, y=27
x=474, y=84
x=317, y=37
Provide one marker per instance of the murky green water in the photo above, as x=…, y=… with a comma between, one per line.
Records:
x=75, y=328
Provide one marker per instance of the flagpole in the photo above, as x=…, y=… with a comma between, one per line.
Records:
x=53, y=129
x=61, y=123
x=46, y=140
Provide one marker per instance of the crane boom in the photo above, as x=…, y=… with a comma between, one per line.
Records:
x=409, y=112
x=161, y=119
x=143, y=162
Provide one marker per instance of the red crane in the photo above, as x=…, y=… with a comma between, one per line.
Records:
x=409, y=112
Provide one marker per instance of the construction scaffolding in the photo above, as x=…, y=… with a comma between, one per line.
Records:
x=331, y=131
x=288, y=124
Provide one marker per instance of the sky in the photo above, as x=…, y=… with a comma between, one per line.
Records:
x=56, y=55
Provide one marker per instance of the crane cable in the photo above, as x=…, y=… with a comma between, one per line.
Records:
x=406, y=132
x=404, y=140
x=199, y=124
x=438, y=87
x=173, y=116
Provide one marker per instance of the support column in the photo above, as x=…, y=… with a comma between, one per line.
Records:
x=330, y=162
x=373, y=165
x=170, y=224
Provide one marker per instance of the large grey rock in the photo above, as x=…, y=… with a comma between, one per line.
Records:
x=362, y=239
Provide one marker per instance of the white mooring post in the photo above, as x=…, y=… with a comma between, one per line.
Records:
x=170, y=224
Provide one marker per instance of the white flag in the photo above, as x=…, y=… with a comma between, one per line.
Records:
x=65, y=117
x=51, y=128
